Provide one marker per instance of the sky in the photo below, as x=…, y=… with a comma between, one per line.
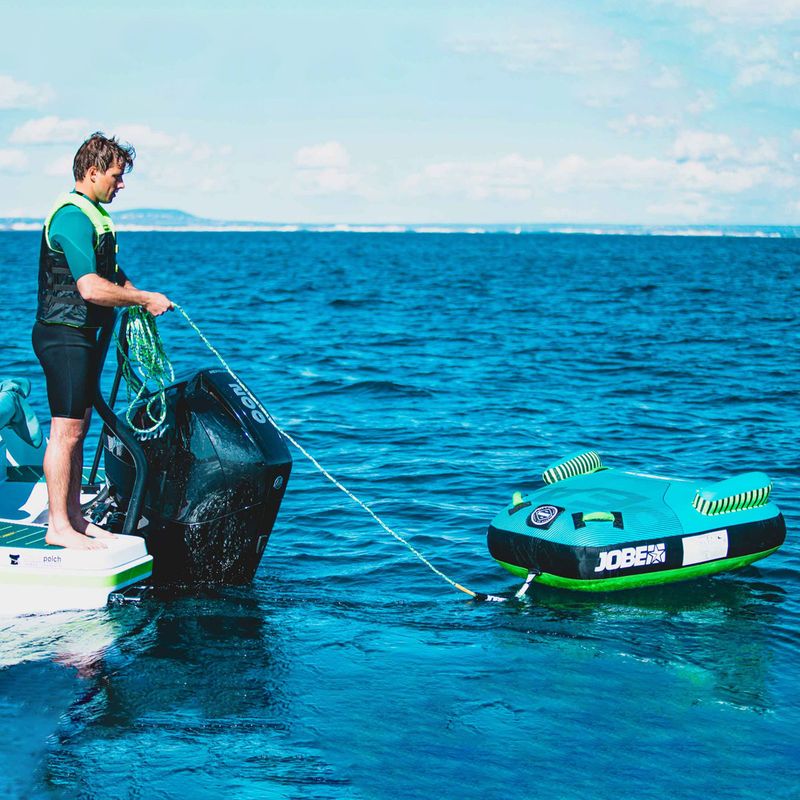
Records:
x=604, y=111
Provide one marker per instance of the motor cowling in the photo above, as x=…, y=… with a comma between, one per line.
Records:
x=217, y=472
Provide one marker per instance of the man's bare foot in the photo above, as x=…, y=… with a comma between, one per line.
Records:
x=98, y=532
x=67, y=537
x=90, y=529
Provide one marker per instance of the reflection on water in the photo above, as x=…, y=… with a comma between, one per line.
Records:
x=228, y=684
x=46, y=664
x=156, y=692
x=717, y=631
x=73, y=638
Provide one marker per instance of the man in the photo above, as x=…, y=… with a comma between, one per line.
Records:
x=79, y=284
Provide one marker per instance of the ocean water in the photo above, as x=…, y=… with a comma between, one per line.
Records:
x=434, y=375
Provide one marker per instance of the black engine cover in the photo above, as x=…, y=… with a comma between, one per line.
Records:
x=217, y=471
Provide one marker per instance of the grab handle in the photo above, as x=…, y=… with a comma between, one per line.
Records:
x=598, y=516
x=579, y=518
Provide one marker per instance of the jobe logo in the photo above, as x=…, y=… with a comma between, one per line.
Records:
x=248, y=402
x=542, y=516
x=642, y=556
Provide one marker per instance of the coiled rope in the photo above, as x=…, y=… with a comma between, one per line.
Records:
x=145, y=355
x=152, y=362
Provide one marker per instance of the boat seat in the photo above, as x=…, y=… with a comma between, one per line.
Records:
x=748, y=490
x=16, y=413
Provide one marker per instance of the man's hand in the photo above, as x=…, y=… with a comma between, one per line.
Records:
x=156, y=303
x=94, y=289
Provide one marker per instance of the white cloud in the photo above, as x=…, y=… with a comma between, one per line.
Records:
x=766, y=59
x=704, y=146
x=148, y=140
x=60, y=167
x=703, y=102
x=145, y=137
x=12, y=160
x=617, y=172
x=18, y=94
x=691, y=208
x=326, y=181
x=703, y=165
x=603, y=95
x=512, y=177
x=766, y=151
x=755, y=45
x=324, y=169
x=172, y=176
x=51, y=130
x=666, y=79
x=164, y=160
x=771, y=74
x=154, y=145
x=174, y=162
x=730, y=180
x=553, y=49
x=641, y=123
x=328, y=155
x=749, y=12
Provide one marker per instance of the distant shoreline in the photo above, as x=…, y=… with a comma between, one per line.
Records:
x=765, y=233
x=174, y=221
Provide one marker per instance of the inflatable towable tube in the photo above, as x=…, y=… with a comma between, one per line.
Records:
x=594, y=528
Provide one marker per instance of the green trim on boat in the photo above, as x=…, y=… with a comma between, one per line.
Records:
x=86, y=580
x=641, y=579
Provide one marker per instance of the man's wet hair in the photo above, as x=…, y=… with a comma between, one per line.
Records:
x=102, y=152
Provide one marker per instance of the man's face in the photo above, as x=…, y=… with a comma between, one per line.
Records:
x=108, y=183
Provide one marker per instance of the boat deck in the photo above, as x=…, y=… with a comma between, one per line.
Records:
x=17, y=535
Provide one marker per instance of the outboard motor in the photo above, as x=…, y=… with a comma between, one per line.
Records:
x=216, y=472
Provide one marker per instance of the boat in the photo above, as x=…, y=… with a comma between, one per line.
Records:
x=589, y=527
x=192, y=503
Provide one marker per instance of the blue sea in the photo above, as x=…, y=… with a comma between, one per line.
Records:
x=434, y=375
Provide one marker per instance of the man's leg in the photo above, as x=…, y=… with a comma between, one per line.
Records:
x=66, y=435
x=78, y=521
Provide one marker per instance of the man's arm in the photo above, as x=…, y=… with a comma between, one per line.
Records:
x=97, y=290
x=72, y=231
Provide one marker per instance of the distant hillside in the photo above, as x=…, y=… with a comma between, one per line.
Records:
x=161, y=217
x=166, y=219
x=148, y=218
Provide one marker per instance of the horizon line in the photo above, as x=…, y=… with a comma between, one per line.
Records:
x=201, y=222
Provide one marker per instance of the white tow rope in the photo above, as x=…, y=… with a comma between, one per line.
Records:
x=476, y=595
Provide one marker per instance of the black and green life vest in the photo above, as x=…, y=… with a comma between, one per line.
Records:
x=59, y=299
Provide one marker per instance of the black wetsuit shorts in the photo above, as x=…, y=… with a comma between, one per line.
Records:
x=69, y=357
